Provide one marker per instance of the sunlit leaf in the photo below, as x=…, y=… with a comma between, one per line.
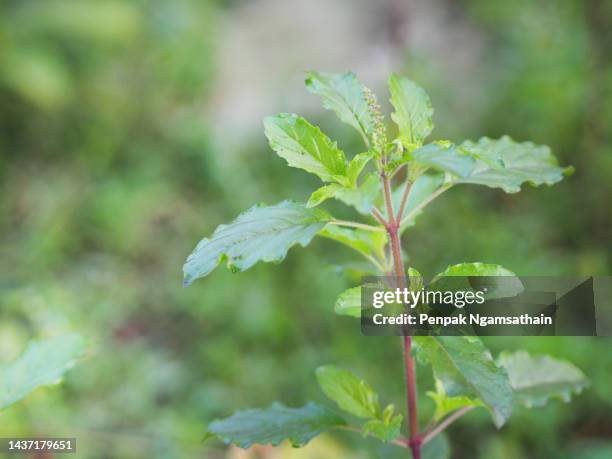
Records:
x=305, y=147
x=413, y=110
x=349, y=303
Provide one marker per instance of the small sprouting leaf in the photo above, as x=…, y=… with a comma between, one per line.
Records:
x=385, y=430
x=506, y=164
x=350, y=393
x=536, y=380
x=446, y=405
x=446, y=158
x=259, y=234
x=413, y=111
x=43, y=363
x=304, y=146
x=356, y=165
x=349, y=303
x=367, y=243
x=345, y=95
x=465, y=367
x=274, y=424
x=322, y=194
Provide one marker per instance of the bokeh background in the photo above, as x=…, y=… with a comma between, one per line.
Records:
x=131, y=129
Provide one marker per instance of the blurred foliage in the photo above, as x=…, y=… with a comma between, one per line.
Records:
x=110, y=173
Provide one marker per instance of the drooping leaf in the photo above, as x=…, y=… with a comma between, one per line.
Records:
x=413, y=111
x=465, y=367
x=350, y=393
x=304, y=146
x=349, y=303
x=259, y=234
x=274, y=424
x=447, y=158
x=506, y=164
x=536, y=380
x=344, y=94
x=446, y=405
x=43, y=363
x=371, y=244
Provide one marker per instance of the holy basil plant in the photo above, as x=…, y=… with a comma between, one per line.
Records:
x=466, y=375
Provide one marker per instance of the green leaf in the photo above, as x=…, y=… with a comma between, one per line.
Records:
x=275, y=424
x=350, y=393
x=363, y=197
x=349, y=303
x=384, y=430
x=322, y=194
x=465, y=367
x=259, y=234
x=413, y=111
x=304, y=146
x=356, y=165
x=371, y=244
x=437, y=448
x=446, y=158
x=344, y=94
x=497, y=281
x=536, y=380
x=506, y=164
x=446, y=405
x=43, y=363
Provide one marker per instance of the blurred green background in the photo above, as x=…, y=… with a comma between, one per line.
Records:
x=131, y=129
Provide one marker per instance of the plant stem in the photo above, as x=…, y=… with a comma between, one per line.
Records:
x=396, y=249
x=444, y=424
x=404, y=201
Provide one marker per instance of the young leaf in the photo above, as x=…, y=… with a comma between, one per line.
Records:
x=304, y=146
x=536, y=380
x=356, y=165
x=43, y=363
x=446, y=405
x=322, y=194
x=446, y=158
x=413, y=111
x=506, y=164
x=275, y=424
x=385, y=431
x=259, y=234
x=465, y=367
x=349, y=303
x=350, y=393
x=344, y=94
